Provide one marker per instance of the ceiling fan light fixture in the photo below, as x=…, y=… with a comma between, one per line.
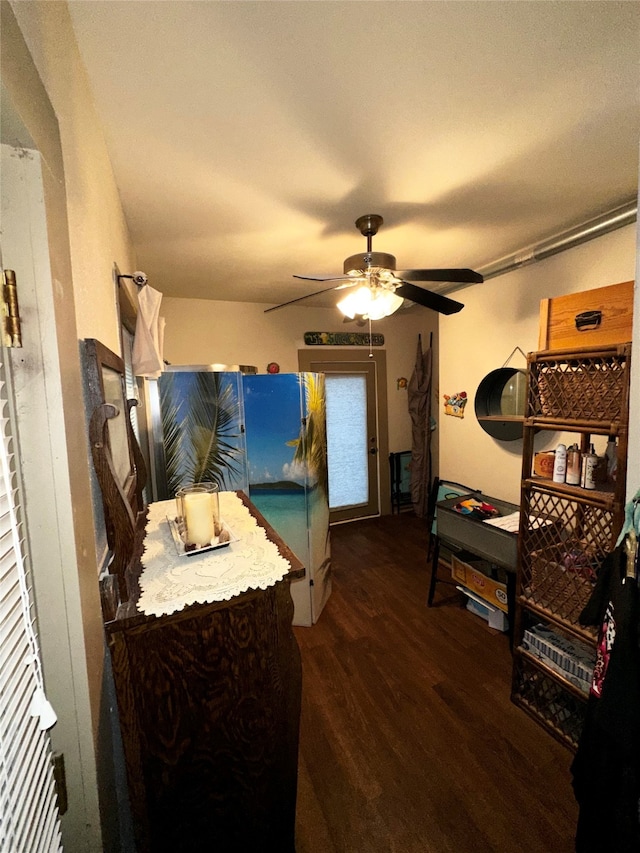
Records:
x=355, y=302
x=384, y=303
x=393, y=302
x=367, y=260
x=371, y=303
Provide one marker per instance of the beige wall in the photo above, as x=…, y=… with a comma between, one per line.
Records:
x=97, y=227
x=199, y=331
x=73, y=297
x=499, y=315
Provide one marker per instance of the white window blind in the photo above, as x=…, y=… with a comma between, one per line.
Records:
x=347, y=440
x=29, y=820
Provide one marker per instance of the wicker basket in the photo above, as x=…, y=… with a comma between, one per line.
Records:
x=555, y=708
x=589, y=388
x=560, y=590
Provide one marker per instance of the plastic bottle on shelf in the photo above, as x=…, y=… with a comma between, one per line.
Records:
x=573, y=465
x=589, y=463
x=612, y=459
x=560, y=464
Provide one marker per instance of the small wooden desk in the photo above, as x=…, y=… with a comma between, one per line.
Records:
x=466, y=533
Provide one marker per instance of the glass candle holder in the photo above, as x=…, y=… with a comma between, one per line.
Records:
x=198, y=510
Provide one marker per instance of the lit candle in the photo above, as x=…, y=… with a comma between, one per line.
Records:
x=199, y=518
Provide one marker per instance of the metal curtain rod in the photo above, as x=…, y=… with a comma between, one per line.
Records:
x=139, y=278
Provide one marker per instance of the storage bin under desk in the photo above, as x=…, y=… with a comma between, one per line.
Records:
x=472, y=534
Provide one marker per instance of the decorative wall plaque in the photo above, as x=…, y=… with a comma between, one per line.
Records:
x=343, y=339
x=454, y=404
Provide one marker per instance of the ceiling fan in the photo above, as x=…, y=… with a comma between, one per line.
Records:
x=382, y=288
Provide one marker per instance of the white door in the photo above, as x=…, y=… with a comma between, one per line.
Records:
x=28, y=810
x=356, y=429
x=33, y=417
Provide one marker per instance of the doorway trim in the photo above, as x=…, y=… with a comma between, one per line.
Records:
x=358, y=356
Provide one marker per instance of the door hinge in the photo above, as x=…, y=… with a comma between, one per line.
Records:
x=60, y=781
x=11, y=332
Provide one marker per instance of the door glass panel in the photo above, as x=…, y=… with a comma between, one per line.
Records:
x=363, y=459
x=347, y=440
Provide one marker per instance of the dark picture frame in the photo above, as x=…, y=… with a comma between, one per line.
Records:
x=105, y=383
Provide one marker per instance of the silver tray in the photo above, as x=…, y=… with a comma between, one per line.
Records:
x=178, y=541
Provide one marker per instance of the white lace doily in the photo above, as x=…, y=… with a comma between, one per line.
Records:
x=170, y=582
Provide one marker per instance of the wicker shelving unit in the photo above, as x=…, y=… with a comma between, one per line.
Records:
x=566, y=531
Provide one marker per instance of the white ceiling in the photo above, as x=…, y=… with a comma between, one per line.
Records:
x=247, y=137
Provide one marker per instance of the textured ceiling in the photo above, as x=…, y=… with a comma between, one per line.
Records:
x=247, y=137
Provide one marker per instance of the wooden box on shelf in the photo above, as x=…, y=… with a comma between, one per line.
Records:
x=598, y=317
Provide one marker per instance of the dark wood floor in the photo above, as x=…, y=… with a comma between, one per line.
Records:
x=409, y=741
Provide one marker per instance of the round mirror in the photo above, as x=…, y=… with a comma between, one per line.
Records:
x=500, y=401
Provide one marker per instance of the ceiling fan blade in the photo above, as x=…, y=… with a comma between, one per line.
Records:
x=464, y=275
x=349, y=281
x=299, y=299
x=323, y=277
x=435, y=301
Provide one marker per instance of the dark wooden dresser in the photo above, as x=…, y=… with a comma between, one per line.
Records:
x=209, y=707
x=208, y=696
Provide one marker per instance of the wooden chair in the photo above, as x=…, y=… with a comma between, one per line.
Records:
x=441, y=490
x=400, y=480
